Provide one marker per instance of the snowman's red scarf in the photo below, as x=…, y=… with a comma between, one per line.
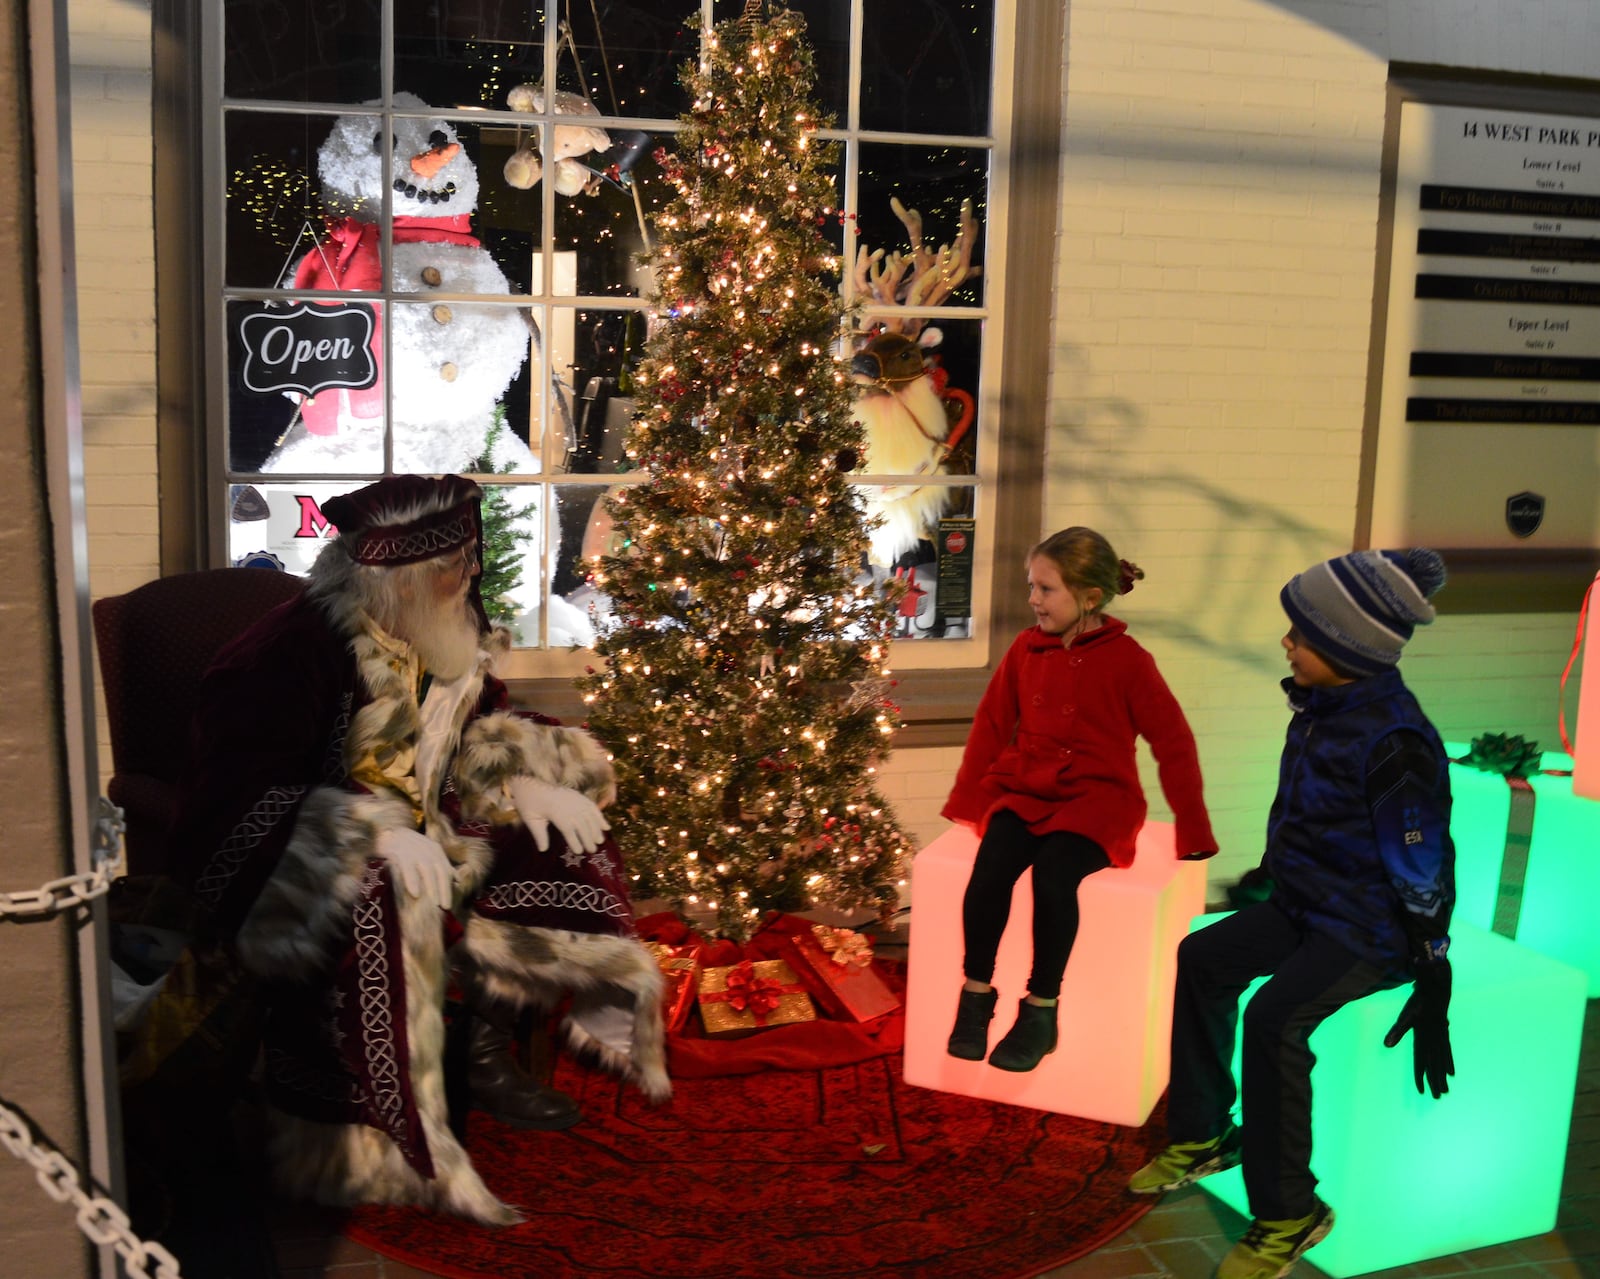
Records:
x=456, y=230
x=351, y=260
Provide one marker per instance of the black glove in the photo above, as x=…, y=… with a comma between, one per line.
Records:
x=1426, y=1016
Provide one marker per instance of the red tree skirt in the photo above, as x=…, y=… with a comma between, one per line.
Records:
x=844, y=1170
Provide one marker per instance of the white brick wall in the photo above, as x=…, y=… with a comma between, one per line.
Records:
x=1215, y=271
x=115, y=249
x=916, y=783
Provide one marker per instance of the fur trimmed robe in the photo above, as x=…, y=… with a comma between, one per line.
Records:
x=277, y=841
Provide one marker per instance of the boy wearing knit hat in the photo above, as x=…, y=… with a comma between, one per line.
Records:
x=1363, y=874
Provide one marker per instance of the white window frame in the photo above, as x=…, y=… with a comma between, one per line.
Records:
x=941, y=678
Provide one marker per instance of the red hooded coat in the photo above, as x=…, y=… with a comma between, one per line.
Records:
x=1053, y=741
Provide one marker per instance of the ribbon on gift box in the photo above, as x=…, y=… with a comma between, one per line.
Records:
x=843, y=945
x=1516, y=760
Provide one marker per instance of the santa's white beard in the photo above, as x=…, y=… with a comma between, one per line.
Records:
x=445, y=636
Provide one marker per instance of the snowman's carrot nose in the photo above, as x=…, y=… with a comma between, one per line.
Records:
x=431, y=161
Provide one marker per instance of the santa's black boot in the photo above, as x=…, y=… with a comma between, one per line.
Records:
x=500, y=1087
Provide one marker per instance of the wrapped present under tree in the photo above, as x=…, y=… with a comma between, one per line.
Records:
x=680, y=965
x=836, y=967
x=751, y=996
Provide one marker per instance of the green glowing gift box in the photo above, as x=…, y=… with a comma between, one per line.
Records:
x=1539, y=890
x=1410, y=1177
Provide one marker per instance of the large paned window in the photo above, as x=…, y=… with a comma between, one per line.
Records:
x=425, y=233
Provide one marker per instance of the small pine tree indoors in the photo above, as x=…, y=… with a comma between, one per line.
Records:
x=503, y=540
x=745, y=694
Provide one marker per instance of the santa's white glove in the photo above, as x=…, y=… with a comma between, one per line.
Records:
x=574, y=814
x=419, y=863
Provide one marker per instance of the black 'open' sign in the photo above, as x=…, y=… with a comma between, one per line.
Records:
x=308, y=347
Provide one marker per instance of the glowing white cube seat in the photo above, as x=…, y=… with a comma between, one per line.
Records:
x=1409, y=1177
x=1116, y=999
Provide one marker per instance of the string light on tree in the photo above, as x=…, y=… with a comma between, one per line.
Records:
x=745, y=694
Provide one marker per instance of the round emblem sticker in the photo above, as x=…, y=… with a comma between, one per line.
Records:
x=955, y=543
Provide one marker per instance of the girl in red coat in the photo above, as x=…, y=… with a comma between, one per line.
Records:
x=1050, y=780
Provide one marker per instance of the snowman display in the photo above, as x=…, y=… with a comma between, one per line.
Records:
x=450, y=362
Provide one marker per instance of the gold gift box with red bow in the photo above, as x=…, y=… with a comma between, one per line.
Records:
x=751, y=996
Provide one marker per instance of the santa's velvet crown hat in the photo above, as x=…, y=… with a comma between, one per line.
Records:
x=404, y=519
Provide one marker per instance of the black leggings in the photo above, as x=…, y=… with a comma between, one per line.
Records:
x=1061, y=860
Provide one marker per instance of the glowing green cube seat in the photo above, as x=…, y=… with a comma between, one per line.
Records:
x=1411, y=1178
x=1561, y=881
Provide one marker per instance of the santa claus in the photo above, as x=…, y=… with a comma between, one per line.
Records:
x=367, y=825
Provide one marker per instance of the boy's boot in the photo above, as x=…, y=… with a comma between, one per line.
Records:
x=1270, y=1249
x=1030, y=1038
x=970, y=1038
x=1184, y=1162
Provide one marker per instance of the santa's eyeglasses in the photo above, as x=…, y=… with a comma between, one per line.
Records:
x=466, y=560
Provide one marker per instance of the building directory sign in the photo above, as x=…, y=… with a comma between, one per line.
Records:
x=1489, y=414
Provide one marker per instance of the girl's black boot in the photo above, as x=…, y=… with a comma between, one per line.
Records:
x=970, y=1039
x=1030, y=1038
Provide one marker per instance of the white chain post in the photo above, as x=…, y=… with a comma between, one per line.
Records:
x=74, y=890
x=100, y=1219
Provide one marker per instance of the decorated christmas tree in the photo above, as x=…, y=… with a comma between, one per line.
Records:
x=745, y=694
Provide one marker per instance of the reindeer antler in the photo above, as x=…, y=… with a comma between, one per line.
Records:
x=939, y=274
x=879, y=277
x=920, y=277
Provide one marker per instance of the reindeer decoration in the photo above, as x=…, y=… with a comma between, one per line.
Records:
x=911, y=420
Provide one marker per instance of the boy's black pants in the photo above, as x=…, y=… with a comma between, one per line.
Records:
x=1312, y=977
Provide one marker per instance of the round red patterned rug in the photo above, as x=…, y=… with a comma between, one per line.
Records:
x=842, y=1171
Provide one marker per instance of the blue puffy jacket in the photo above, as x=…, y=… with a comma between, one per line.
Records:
x=1358, y=840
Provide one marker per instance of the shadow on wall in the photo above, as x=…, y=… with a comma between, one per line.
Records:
x=1094, y=447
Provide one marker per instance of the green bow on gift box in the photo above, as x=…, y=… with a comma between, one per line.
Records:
x=1515, y=759
x=1509, y=756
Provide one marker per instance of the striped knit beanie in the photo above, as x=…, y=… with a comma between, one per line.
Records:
x=1358, y=610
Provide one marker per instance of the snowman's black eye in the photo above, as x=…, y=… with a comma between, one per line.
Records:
x=438, y=138
x=377, y=142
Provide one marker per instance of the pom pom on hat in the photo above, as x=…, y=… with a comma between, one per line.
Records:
x=1358, y=610
x=1426, y=568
